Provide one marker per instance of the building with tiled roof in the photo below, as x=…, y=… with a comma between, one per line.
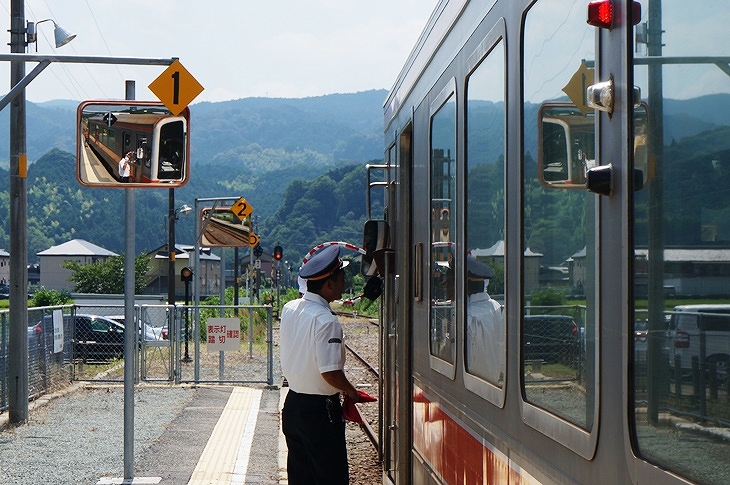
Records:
x=53, y=276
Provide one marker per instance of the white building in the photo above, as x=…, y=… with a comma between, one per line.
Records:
x=53, y=276
x=4, y=267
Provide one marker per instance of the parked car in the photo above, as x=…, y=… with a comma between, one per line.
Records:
x=550, y=338
x=94, y=337
x=693, y=323
x=148, y=332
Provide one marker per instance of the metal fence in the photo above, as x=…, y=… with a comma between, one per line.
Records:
x=553, y=343
x=250, y=360
x=85, y=342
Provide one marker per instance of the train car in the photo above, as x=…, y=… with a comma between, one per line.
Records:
x=554, y=388
x=157, y=139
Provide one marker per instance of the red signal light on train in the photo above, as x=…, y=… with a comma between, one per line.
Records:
x=601, y=13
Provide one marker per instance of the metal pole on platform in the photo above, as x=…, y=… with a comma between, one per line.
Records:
x=130, y=330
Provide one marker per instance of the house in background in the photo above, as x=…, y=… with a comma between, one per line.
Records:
x=4, y=267
x=494, y=256
x=208, y=272
x=53, y=276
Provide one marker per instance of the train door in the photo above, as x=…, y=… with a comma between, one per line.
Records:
x=399, y=432
x=380, y=239
x=144, y=162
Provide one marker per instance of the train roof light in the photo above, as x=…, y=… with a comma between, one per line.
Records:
x=601, y=13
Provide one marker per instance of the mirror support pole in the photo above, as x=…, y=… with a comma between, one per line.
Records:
x=130, y=330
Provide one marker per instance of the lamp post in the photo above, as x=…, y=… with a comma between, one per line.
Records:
x=186, y=275
x=17, y=335
x=173, y=216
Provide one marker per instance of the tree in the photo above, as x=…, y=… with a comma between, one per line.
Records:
x=107, y=277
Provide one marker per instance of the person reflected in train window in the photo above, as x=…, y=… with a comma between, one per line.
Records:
x=125, y=167
x=312, y=354
x=484, y=328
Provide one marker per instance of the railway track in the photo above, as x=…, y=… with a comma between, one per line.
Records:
x=362, y=367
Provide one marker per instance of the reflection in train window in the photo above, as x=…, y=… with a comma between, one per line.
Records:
x=681, y=331
x=443, y=223
x=484, y=338
x=557, y=340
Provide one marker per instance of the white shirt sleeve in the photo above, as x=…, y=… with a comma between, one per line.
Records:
x=330, y=346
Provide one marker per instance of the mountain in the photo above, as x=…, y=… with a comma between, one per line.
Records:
x=298, y=162
x=253, y=148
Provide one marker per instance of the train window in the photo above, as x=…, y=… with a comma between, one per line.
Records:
x=681, y=227
x=557, y=339
x=131, y=144
x=443, y=225
x=485, y=333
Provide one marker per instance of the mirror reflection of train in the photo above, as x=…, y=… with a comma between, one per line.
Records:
x=154, y=143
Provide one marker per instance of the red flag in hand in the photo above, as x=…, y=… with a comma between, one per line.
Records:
x=349, y=409
x=365, y=397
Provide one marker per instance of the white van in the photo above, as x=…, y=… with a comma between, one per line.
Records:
x=693, y=323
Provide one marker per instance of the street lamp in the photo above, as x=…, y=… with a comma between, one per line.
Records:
x=173, y=217
x=61, y=35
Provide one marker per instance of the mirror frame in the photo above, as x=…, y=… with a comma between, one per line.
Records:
x=97, y=157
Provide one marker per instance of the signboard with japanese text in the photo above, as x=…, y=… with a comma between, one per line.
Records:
x=224, y=334
x=57, y=331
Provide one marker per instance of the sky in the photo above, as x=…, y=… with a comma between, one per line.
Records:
x=233, y=48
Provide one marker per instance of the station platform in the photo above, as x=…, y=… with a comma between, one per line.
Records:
x=244, y=445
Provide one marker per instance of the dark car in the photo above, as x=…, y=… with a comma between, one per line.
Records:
x=550, y=338
x=94, y=337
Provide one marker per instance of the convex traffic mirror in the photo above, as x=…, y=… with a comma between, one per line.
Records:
x=567, y=144
x=131, y=144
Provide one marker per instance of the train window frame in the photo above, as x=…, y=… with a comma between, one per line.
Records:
x=494, y=40
x=582, y=441
x=88, y=171
x=438, y=364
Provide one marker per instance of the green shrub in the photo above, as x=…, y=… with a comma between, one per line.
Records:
x=44, y=297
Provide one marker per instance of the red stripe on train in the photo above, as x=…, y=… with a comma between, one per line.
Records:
x=454, y=453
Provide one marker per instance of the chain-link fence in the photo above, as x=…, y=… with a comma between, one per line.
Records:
x=553, y=343
x=229, y=344
x=175, y=344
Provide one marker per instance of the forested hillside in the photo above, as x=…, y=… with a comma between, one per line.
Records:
x=301, y=164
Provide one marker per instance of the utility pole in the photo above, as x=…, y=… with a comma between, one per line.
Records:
x=18, y=334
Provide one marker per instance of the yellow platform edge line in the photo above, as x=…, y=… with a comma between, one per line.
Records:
x=218, y=460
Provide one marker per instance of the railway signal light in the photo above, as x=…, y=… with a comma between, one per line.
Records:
x=258, y=251
x=278, y=253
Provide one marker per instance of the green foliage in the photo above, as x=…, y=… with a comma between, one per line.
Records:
x=44, y=297
x=547, y=297
x=107, y=277
x=330, y=207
